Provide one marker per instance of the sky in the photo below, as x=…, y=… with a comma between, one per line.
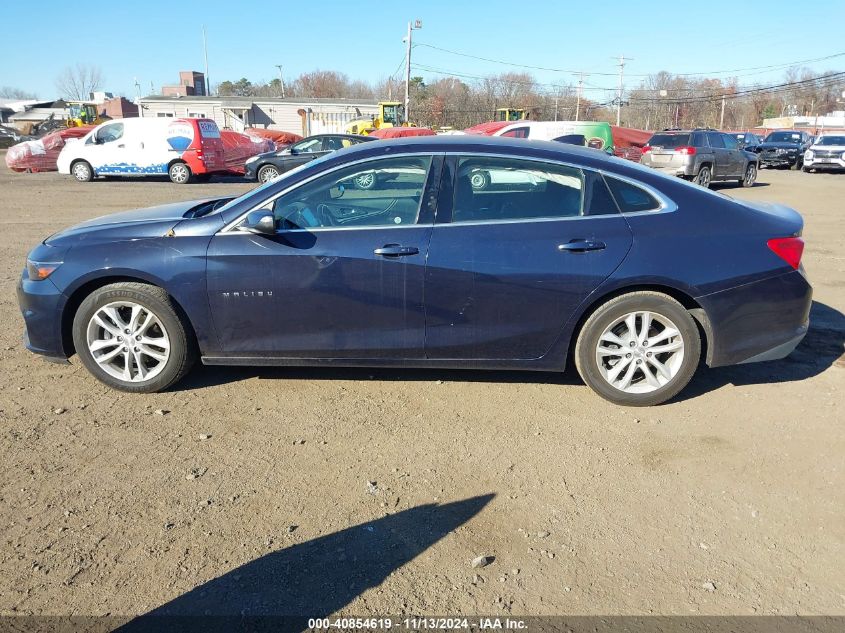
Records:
x=153, y=40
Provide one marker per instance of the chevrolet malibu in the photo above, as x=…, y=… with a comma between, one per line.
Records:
x=567, y=255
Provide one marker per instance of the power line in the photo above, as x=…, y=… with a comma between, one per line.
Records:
x=610, y=74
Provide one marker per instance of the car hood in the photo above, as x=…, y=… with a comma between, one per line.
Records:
x=828, y=148
x=138, y=223
x=779, y=145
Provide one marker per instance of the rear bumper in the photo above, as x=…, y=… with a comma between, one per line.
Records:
x=41, y=305
x=763, y=320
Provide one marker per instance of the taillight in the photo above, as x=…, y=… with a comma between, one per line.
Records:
x=646, y=148
x=686, y=151
x=789, y=249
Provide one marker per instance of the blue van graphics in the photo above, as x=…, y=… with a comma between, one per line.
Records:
x=180, y=136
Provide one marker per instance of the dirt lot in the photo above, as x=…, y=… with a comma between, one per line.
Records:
x=370, y=492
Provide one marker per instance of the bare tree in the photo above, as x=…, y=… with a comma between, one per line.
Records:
x=7, y=92
x=78, y=82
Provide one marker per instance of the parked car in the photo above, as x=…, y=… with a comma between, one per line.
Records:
x=267, y=166
x=784, y=148
x=179, y=148
x=615, y=266
x=703, y=156
x=826, y=152
x=748, y=141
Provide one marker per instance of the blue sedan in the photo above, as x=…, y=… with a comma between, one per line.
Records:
x=461, y=251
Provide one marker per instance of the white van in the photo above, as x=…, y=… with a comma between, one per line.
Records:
x=179, y=148
x=597, y=134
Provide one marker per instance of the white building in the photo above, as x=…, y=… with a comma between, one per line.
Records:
x=299, y=116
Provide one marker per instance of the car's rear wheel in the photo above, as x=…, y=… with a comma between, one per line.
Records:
x=130, y=337
x=82, y=171
x=638, y=349
x=179, y=173
x=704, y=177
x=366, y=180
x=267, y=173
x=750, y=176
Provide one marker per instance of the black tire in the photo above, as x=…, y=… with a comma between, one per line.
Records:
x=179, y=173
x=750, y=176
x=267, y=172
x=82, y=171
x=479, y=180
x=182, y=354
x=796, y=165
x=805, y=169
x=605, y=315
x=704, y=176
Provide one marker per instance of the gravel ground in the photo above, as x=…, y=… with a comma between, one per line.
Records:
x=314, y=491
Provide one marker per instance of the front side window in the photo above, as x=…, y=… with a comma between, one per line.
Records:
x=494, y=189
x=308, y=145
x=384, y=192
x=110, y=133
x=730, y=141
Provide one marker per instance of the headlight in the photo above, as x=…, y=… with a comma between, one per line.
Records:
x=40, y=270
x=843, y=155
x=251, y=160
x=808, y=155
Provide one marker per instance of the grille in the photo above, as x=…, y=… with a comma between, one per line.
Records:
x=827, y=153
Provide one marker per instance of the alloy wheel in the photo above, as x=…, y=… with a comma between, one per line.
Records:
x=81, y=172
x=179, y=173
x=750, y=176
x=128, y=341
x=640, y=352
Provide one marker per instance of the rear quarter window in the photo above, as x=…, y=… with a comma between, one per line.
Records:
x=630, y=198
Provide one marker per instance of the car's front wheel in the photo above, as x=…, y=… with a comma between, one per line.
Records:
x=130, y=337
x=267, y=173
x=82, y=171
x=638, y=349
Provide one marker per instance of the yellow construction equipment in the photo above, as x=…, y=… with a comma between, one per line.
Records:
x=83, y=113
x=390, y=114
x=511, y=114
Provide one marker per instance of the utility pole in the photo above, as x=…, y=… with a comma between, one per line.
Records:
x=411, y=27
x=205, y=54
x=578, y=95
x=556, y=98
x=281, y=79
x=722, y=115
x=619, y=95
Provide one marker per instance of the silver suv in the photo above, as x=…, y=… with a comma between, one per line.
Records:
x=703, y=156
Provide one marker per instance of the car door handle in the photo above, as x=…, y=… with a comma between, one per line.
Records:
x=581, y=246
x=121, y=145
x=395, y=250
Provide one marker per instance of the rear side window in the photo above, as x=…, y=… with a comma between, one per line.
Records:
x=715, y=140
x=669, y=141
x=494, y=189
x=630, y=198
x=699, y=140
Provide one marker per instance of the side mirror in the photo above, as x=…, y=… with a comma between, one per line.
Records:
x=259, y=222
x=292, y=150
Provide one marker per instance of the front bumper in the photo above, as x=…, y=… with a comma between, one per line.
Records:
x=824, y=163
x=780, y=160
x=250, y=172
x=762, y=320
x=41, y=305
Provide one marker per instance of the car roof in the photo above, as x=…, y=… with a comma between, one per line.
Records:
x=475, y=143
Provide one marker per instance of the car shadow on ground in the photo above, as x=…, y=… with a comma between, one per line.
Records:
x=312, y=579
x=823, y=346
x=719, y=186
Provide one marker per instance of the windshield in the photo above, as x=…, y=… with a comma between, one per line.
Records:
x=257, y=194
x=669, y=141
x=783, y=137
x=831, y=140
